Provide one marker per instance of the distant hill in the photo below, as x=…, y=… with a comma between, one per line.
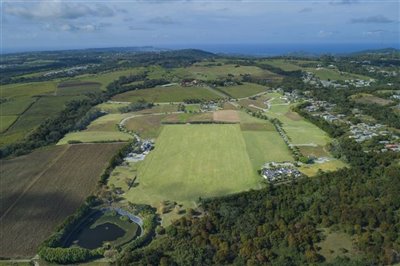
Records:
x=385, y=51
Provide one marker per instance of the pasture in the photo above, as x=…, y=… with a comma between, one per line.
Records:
x=77, y=88
x=334, y=74
x=174, y=93
x=192, y=161
x=217, y=71
x=160, y=108
x=94, y=136
x=230, y=116
x=106, y=78
x=284, y=64
x=112, y=107
x=28, y=105
x=48, y=186
x=147, y=127
x=242, y=91
x=330, y=166
x=188, y=118
x=297, y=128
x=366, y=98
x=337, y=244
x=265, y=146
x=6, y=121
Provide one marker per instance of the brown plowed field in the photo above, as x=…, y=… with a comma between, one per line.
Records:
x=227, y=116
x=48, y=186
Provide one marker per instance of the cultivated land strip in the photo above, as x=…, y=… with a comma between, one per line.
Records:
x=34, y=180
x=21, y=114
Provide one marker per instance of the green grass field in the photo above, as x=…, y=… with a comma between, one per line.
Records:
x=244, y=90
x=296, y=127
x=283, y=64
x=106, y=78
x=147, y=127
x=265, y=146
x=28, y=89
x=95, y=136
x=106, y=123
x=77, y=88
x=330, y=166
x=366, y=98
x=192, y=161
x=204, y=72
x=334, y=74
x=337, y=244
x=174, y=93
x=43, y=108
x=111, y=107
x=192, y=107
x=16, y=106
x=6, y=121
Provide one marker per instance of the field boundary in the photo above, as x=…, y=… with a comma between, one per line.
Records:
x=35, y=179
x=21, y=114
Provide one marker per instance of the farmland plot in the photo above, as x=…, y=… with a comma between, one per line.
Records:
x=52, y=186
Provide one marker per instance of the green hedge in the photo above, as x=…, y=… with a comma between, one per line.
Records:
x=69, y=255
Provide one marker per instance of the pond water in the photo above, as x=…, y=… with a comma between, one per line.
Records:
x=97, y=229
x=93, y=238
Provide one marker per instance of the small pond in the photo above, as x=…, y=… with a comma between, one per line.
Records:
x=99, y=228
x=93, y=238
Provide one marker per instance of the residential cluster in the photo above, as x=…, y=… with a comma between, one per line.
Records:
x=310, y=78
x=192, y=83
x=69, y=71
x=362, y=131
x=140, y=154
x=276, y=172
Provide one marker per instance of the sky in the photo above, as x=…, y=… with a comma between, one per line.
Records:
x=56, y=24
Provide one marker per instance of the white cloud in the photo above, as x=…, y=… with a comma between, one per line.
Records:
x=57, y=10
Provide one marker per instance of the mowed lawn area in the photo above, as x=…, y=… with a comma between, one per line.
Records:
x=40, y=190
x=175, y=93
x=192, y=161
x=266, y=146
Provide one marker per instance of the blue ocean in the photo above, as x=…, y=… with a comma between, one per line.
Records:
x=287, y=48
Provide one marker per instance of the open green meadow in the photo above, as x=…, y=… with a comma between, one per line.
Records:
x=330, y=166
x=106, y=122
x=160, y=108
x=6, y=121
x=94, y=136
x=147, y=127
x=265, y=146
x=297, y=128
x=337, y=244
x=175, y=93
x=106, y=78
x=192, y=161
x=334, y=74
x=77, y=88
x=284, y=64
x=244, y=90
x=203, y=71
x=27, y=105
